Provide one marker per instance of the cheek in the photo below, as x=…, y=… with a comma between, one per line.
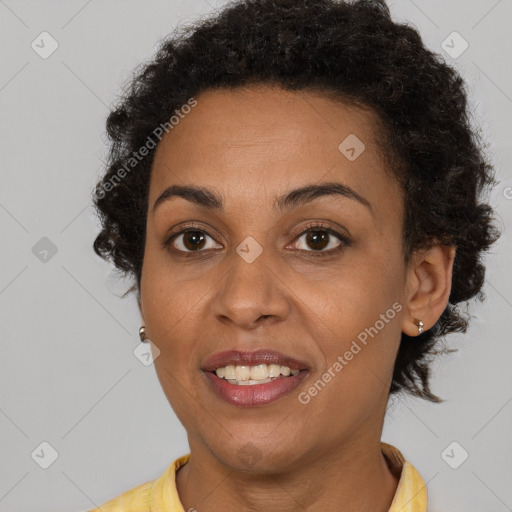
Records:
x=169, y=306
x=170, y=312
x=162, y=287
x=358, y=318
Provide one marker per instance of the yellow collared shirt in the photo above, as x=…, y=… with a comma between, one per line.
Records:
x=161, y=495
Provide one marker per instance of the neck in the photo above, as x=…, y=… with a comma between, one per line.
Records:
x=355, y=478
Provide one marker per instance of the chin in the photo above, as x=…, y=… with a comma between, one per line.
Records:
x=259, y=457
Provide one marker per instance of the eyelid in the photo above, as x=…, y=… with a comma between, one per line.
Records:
x=320, y=225
x=191, y=226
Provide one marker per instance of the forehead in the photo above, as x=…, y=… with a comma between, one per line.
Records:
x=255, y=143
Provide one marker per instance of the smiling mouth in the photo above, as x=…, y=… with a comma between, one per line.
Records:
x=255, y=392
x=243, y=375
x=255, y=378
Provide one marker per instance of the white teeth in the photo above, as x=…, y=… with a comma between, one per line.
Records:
x=285, y=371
x=229, y=372
x=242, y=372
x=274, y=370
x=258, y=374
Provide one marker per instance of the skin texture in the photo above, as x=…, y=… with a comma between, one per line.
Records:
x=250, y=146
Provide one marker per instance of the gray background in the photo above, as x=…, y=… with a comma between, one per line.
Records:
x=68, y=374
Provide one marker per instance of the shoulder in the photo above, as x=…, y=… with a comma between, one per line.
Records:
x=134, y=500
x=155, y=495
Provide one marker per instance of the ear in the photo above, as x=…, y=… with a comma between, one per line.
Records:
x=429, y=282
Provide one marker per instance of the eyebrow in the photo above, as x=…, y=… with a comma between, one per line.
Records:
x=207, y=198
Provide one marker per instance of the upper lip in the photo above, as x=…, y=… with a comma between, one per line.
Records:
x=242, y=358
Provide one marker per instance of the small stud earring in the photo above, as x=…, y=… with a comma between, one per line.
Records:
x=142, y=334
x=420, y=326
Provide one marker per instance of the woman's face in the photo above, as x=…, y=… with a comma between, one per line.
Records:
x=250, y=276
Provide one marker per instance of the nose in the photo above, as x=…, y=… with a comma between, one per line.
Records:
x=251, y=294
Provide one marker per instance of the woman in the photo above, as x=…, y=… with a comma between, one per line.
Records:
x=295, y=189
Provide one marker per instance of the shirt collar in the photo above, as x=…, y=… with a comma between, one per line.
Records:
x=164, y=495
x=411, y=493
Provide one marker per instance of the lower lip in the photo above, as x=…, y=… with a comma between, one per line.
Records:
x=256, y=394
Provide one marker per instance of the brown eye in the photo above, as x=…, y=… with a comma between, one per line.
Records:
x=320, y=240
x=190, y=241
x=193, y=240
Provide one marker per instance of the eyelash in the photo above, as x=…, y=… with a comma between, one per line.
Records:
x=344, y=241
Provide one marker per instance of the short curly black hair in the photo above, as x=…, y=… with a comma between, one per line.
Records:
x=356, y=53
